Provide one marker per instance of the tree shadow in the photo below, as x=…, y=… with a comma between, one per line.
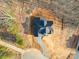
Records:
x=7, y=36
x=72, y=41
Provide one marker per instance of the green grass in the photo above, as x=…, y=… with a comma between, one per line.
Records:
x=19, y=39
x=5, y=53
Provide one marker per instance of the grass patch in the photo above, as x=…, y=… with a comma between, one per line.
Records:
x=5, y=53
x=20, y=41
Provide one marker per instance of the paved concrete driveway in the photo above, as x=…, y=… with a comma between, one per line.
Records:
x=33, y=54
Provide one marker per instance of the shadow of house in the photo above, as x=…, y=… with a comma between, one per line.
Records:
x=26, y=25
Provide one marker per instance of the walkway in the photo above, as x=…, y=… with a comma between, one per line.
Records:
x=33, y=54
x=11, y=46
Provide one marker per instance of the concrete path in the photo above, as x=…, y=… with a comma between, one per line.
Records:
x=11, y=46
x=33, y=54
